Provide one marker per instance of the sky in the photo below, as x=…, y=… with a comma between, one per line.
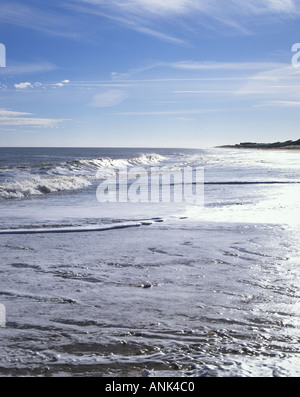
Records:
x=149, y=73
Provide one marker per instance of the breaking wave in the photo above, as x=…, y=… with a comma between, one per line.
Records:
x=38, y=186
x=39, y=179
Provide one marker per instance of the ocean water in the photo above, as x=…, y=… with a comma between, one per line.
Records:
x=149, y=288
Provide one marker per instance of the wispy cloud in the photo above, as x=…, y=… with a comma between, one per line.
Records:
x=48, y=21
x=108, y=98
x=245, y=84
x=26, y=68
x=232, y=66
x=177, y=112
x=187, y=7
x=158, y=7
x=124, y=15
x=15, y=118
x=286, y=104
x=37, y=122
x=11, y=113
x=178, y=21
x=280, y=83
x=175, y=21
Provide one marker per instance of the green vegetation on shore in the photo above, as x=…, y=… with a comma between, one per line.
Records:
x=276, y=145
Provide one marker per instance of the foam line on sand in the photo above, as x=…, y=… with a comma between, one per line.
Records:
x=77, y=229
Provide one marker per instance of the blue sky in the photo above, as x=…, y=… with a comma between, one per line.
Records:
x=148, y=73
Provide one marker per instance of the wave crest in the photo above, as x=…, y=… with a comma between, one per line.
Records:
x=70, y=175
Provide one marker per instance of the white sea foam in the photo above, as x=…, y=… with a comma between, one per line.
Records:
x=38, y=186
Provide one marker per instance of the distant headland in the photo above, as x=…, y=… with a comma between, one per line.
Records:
x=276, y=145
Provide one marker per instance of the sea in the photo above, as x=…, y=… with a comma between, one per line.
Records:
x=108, y=270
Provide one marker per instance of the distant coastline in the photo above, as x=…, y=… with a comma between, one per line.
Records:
x=287, y=145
